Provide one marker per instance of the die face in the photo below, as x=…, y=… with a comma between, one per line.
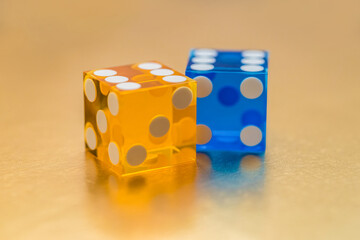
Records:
x=232, y=115
x=255, y=61
x=149, y=119
x=143, y=123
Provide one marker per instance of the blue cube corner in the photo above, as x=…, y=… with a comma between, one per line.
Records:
x=232, y=99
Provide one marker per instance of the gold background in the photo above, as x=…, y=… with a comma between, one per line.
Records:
x=308, y=186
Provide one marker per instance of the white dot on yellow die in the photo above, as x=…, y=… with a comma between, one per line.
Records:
x=251, y=136
x=174, y=79
x=113, y=152
x=251, y=87
x=149, y=66
x=162, y=72
x=104, y=72
x=204, y=86
x=128, y=86
x=116, y=79
x=159, y=126
x=101, y=121
x=113, y=103
x=182, y=97
x=203, y=134
x=136, y=155
x=90, y=90
x=90, y=137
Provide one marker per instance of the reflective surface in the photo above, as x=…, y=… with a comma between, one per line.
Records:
x=169, y=200
x=307, y=185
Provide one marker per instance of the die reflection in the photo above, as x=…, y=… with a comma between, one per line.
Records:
x=232, y=171
x=155, y=200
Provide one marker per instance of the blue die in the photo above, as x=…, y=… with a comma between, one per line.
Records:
x=232, y=98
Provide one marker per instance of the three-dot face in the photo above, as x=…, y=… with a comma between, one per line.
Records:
x=136, y=112
x=232, y=96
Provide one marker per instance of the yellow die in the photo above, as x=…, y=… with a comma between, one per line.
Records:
x=140, y=117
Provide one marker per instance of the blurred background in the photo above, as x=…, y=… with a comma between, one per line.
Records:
x=307, y=186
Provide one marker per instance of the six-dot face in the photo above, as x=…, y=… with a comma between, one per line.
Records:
x=254, y=61
x=134, y=112
x=232, y=96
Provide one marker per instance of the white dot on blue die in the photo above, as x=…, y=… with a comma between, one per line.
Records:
x=251, y=87
x=251, y=136
x=203, y=60
x=252, y=68
x=253, y=53
x=253, y=61
x=201, y=67
x=205, y=52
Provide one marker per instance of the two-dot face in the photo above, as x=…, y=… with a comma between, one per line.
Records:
x=132, y=111
x=232, y=95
